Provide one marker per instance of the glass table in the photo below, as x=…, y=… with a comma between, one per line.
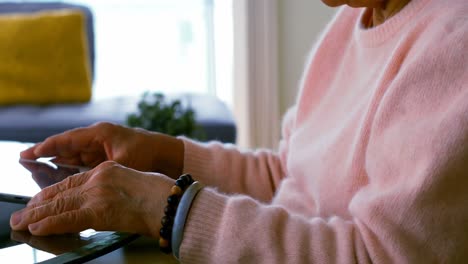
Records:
x=87, y=246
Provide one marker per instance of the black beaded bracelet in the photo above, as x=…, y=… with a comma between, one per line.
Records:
x=167, y=221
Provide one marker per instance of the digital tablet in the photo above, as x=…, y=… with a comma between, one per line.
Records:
x=8, y=205
x=22, y=247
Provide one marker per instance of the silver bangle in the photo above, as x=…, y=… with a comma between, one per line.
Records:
x=181, y=216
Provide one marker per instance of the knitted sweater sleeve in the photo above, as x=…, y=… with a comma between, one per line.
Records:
x=232, y=170
x=412, y=210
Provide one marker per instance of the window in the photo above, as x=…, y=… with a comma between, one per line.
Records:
x=169, y=46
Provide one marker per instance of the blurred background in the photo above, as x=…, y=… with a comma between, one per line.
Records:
x=249, y=54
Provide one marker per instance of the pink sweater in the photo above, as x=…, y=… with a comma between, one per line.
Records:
x=373, y=164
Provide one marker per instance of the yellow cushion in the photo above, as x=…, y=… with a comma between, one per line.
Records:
x=44, y=58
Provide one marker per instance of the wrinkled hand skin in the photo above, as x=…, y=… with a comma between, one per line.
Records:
x=108, y=197
x=132, y=147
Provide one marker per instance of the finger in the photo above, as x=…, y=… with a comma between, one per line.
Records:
x=68, y=183
x=84, y=159
x=68, y=222
x=75, y=160
x=16, y=217
x=33, y=214
x=29, y=153
x=67, y=144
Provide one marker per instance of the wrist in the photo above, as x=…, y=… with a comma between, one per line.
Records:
x=169, y=155
x=157, y=201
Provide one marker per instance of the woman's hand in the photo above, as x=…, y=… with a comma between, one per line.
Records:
x=134, y=148
x=109, y=197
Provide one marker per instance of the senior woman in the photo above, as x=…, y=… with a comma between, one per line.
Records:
x=372, y=166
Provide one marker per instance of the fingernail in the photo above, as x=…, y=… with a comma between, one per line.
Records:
x=16, y=219
x=33, y=227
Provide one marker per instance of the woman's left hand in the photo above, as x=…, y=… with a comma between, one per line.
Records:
x=108, y=197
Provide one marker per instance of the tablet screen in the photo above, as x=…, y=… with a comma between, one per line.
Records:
x=15, y=178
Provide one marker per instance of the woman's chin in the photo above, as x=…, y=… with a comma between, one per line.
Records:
x=334, y=3
x=354, y=3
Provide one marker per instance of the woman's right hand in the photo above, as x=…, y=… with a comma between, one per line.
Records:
x=109, y=197
x=132, y=147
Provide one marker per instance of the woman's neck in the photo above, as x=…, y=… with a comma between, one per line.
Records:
x=388, y=9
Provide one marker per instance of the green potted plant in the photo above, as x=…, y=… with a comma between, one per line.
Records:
x=157, y=113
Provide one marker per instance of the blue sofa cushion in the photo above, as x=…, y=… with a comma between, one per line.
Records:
x=35, y=123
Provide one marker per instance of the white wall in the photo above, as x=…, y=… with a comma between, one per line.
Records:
x=272, y=39
x=300, y=22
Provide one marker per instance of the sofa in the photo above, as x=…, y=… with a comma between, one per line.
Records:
x=35, y=122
